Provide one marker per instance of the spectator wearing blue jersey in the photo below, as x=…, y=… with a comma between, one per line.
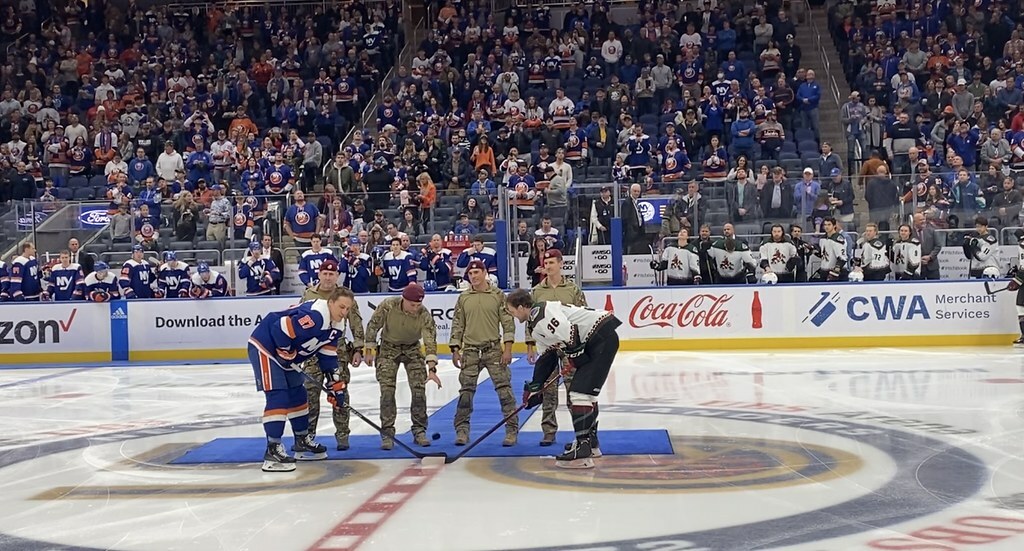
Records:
x=64, y=281
x=302, y=219
x=311, y=260
x=355, y=267
x=140, y=168
x=484, y=185
x=808, y=96
x=477, y=251
x=464, y=226
x=743, y=131
x=101, y=285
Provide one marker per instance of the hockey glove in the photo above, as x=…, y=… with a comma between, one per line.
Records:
x=697, y=279
x=791, y=265
x=532, y=396
x=1014, y=285
x=335, y=388
x=99, y=296
x=568, y=368
x=833, y=274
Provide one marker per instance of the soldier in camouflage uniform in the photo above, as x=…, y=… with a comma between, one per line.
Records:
x=328, y=283
x=553, y=288
x=482, y=336
x=404, y=322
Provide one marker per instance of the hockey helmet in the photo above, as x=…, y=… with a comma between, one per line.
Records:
x=856, y=276
x=101, y=266
x=170, y=256
x=430, y=285
x=990, y=272
x=769, y=278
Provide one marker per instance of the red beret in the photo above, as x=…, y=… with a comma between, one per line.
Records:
x=476, y=265
x=552, y=253
x=413, y=293
x=329, y=266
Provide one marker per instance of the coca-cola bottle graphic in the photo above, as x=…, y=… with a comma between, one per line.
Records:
x=755, y=311
x=608, y=303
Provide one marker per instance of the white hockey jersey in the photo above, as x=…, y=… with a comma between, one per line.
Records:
x=731, y=263
x=906, y=259
x=777, y=256
x=833, y=252
x=871, y=254
x=682, y=262
x=557, y=326
x=982, y=251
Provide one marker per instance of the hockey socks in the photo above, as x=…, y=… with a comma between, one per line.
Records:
x=282, y=405
x=583, y=417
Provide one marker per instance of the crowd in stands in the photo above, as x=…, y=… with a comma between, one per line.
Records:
x=192, y=126
x=935, y=108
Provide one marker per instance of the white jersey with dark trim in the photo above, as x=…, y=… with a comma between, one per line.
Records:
x=683, y=262
x=906, y=258
x=872, y=254
x=563, y=327
x=833, y=251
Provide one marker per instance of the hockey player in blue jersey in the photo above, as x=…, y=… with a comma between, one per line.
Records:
x=173, y=277
x=5, y=281
x=398, y=266
x=207, y=283
x=259, y=272
x=25, y=281
x=478, y=252
x=355, y=266
x=65, y=280
x=436, y=261
x=277, y=349
x=311, y=260
x=138, y=278
x=101, y=285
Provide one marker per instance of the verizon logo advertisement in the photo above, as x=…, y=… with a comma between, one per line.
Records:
x=45, y=328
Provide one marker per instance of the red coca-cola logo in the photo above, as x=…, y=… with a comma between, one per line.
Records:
x=701, y=310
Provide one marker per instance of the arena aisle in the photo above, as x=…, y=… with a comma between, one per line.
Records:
x=838, y=450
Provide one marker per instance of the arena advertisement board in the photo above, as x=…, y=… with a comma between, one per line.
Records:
x=32, y=332
x=220, y=328
x=811, y=315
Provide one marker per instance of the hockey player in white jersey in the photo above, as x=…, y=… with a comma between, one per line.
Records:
x=731, y=261
x=1017, y=284
x=906, y=255
x=586, y=342
x=833, y=253
x=680, y=262
x=981, y=247
x=871, y=256
x=779, y=255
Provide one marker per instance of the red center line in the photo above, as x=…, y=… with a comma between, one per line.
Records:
x=352, y=531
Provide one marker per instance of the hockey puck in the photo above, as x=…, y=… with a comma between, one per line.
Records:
x=435, y=436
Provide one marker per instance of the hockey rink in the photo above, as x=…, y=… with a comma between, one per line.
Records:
x=820, y=450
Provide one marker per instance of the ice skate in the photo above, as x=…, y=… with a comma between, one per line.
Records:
x=595, y=447
x=307, y=449
x=578, y=456
x=277, y=460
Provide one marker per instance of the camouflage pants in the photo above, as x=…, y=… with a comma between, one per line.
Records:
x=388, y=360
x=549, y=407
x=474, y=360
x=313, y=392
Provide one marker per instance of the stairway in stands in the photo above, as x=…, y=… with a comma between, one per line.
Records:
x=820, y=54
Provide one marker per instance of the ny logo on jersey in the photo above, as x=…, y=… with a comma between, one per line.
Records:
x=63, y=282
x=172, y=281
x=315, y=265
x=393, y=271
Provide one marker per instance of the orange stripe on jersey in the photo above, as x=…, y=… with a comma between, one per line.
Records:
x=297, y=408
x=329, y=350
x=265, y=371
x=278, y=411
x=286, y=325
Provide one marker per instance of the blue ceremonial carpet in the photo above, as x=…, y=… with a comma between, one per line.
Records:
x=486, y=414
x=613, y=442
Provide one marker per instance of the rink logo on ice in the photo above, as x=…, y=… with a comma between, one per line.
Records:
x=35, y=332
x=864, y=308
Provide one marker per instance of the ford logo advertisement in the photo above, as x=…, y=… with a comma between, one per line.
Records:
x=25, y=220
x=94, y=217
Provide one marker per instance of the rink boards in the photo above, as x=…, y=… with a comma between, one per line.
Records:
x=941, y=313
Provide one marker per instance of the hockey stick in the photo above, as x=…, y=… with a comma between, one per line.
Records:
x=990, y=291
x=554, y=379
x=403, y=445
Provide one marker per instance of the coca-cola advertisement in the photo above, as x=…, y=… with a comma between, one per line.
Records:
x=692, y=312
